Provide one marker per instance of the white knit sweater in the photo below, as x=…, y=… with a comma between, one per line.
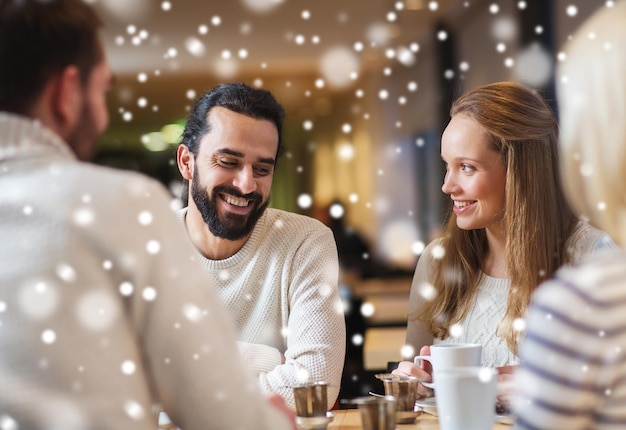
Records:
x=480, y=323
x=281, y=290
x=103, y=312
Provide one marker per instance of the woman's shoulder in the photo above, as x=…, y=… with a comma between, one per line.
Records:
x=586, y=239
x=435, y=246
x=434, y=249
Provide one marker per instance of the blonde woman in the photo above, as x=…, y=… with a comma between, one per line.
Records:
x=573, y=374
x=508, y=230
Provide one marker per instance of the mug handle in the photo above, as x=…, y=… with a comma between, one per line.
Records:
x=430, y=385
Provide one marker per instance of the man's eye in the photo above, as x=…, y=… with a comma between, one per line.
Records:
x=262, y=171
x=227, y=162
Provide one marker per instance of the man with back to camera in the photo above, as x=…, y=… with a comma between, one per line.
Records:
x=275, y=271
x=99, y=322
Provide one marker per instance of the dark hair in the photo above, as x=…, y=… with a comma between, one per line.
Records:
x=38, y=39
x=256, y=103
x=237, y=97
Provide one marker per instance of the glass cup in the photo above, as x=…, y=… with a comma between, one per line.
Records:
x=311, y=399
x=377, y=413
x=404, y=389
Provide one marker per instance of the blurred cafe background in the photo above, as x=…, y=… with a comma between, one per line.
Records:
x=366, y=85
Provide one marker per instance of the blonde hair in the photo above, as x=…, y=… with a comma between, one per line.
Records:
x=538, y=221
x=591, y=91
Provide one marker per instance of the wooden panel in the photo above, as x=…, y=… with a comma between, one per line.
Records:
x=382, y=344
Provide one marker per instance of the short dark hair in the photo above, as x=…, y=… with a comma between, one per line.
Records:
x=237, y=97
x=256, y=103
x=38, y=39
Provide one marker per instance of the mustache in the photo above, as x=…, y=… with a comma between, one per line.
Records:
x=225, y=189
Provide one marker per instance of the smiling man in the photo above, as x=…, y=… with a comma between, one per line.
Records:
x=276, y=272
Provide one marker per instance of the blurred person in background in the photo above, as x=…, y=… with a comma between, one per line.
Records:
x=572, y=374
x=276, y=272
x=509, y=227
x=356, y=259
x=101, y=322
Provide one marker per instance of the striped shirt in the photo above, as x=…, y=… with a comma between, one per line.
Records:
x=573, y=373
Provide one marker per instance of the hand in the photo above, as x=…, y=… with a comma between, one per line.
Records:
x=506, y=389
x=423, y=372
x=279, y=403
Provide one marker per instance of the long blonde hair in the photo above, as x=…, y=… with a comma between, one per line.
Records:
x=592, y=94
x=538, y=221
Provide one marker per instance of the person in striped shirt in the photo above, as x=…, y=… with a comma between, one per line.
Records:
x=573, y=372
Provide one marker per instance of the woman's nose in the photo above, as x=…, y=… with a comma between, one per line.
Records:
x=449, y=184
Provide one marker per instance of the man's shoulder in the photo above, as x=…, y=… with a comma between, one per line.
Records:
x=291, y=223
x=181, y=213
x=119, y=185
x=292, y=219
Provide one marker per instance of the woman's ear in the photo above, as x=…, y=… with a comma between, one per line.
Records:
x=67, y=99
x=184, y=158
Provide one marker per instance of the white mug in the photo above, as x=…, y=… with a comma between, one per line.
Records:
x=466, y=398
x=445, y=356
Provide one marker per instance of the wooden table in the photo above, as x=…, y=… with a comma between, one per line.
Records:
x=349, y=419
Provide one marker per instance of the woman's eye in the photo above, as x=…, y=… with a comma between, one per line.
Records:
x=466, y=168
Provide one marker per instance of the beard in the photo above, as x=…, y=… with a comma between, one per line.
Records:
x=84, y=138
x=232, y=226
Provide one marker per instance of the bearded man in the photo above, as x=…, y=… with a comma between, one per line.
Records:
x=275, y=271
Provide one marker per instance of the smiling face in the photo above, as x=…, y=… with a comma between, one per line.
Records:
x=475, y=175
x=233, y=172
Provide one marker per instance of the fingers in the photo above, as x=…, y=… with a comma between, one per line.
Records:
x=404, y=368
x=423, y=392
x=279, y=403
x=410, y=369
x=407, y=368
x=425, y=364
x=506, y=388
x=507, y=370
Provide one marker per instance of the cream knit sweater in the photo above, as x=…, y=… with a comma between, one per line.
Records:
x=480, y=324
x=104, y=313
x=281, y=291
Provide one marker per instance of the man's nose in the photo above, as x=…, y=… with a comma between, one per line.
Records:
x=244, y=180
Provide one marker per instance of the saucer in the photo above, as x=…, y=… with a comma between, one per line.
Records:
x=505, y=419
x=427, y=405
x=314, y=423
x=407, y=417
